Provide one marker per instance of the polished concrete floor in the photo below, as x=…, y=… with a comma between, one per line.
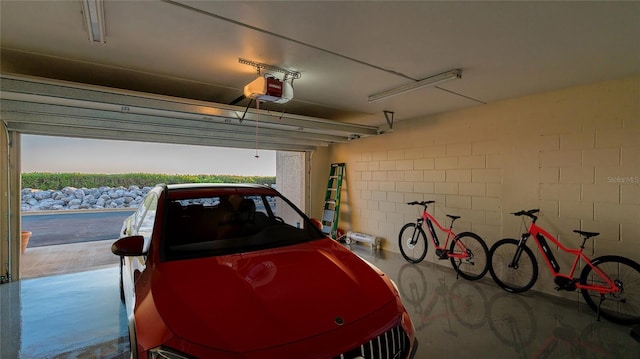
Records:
x=79, y=315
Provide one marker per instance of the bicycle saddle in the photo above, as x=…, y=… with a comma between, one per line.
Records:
x=586, y=234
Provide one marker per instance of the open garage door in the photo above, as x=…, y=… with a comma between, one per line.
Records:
x=56, y=108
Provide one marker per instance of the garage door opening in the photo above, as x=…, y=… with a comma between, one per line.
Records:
x=74, y=223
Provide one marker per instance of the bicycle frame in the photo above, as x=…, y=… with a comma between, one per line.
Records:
x=430, y=220
x=540, y=235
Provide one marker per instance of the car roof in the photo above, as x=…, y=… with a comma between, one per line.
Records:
x=179, y=186
x=216, y=189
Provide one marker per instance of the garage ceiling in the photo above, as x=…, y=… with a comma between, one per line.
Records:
x=182, y=58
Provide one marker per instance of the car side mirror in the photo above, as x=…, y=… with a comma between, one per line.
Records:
x=129, y=246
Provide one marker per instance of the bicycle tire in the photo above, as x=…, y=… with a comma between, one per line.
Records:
x=476, y=266
x=513, y=280
x=413, y=243
x=620, y=308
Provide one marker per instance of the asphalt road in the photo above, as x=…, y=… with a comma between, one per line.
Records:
x=73, y=227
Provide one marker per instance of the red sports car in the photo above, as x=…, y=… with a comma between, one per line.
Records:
x=237, y=271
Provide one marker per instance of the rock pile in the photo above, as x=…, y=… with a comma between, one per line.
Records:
x=82, y=198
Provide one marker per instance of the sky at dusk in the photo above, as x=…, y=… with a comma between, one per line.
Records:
x=62, y=154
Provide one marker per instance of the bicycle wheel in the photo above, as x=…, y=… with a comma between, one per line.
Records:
x=413, y=243
x=622, y=307
x=515, y=279
x=474, y=266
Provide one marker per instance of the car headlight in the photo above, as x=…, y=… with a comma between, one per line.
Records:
x=166, y=353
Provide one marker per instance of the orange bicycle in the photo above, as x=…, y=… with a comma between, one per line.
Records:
x=468, y=252
x=609, y=284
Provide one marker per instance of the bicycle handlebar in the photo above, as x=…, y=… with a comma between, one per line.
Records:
x=422, y=203
x=530, y=213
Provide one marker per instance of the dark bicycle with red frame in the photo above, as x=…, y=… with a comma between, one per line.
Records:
x=609, y=284
x=467, y=251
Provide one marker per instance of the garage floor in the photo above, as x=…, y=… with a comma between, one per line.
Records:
x=79, y=315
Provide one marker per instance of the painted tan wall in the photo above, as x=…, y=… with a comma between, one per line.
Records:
x=573, y=153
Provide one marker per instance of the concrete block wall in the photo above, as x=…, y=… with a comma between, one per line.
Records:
x=574, y=153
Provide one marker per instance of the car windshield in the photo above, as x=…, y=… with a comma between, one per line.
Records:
x=235, y=223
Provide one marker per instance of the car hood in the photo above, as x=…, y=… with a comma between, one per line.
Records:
x=251, y=301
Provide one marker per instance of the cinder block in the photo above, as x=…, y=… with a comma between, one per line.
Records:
x=458, y=149
x=405, y=187
x=472, y=189
x=486, y=175
x=485, y=203
x=379, y=175
x=619, y=137
x=608, y=193
x=374, y=166
x=380, y=156
x=434, y=175
x=601, y=157
x=576, y=210
x=473, y=216
x=618, y=213
x=365, y=194
x=414, y=153
x=387, y=186
x=414, y=176
x=387, y=165
x=365, y=176
x=458, y=201
x=446, y=162
x=423, y=187
x=630, y=158
x=395, y=176
x=424, y=164
x=629, y=233
x=551, y=191
x=361, y=166
x=571, y=158
x=395, y=155
x=548, y=208
x=396, y=197
x=403, y=165
x=577, y=140
x=458, y=175
x=494, y=190
x=478, y=161
x=584, y=175
x=446, y=188
x=434, y=150
x=495, y=160
x=549, y=174
x=387, y=206
x=630, y=195
x=373, y=205
x=486, y=147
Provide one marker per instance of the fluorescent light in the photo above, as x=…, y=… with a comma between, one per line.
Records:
x=94, y=19
x=429, y=81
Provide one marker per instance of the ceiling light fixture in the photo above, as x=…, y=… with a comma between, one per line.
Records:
x=93, y=11
x=429, y=81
